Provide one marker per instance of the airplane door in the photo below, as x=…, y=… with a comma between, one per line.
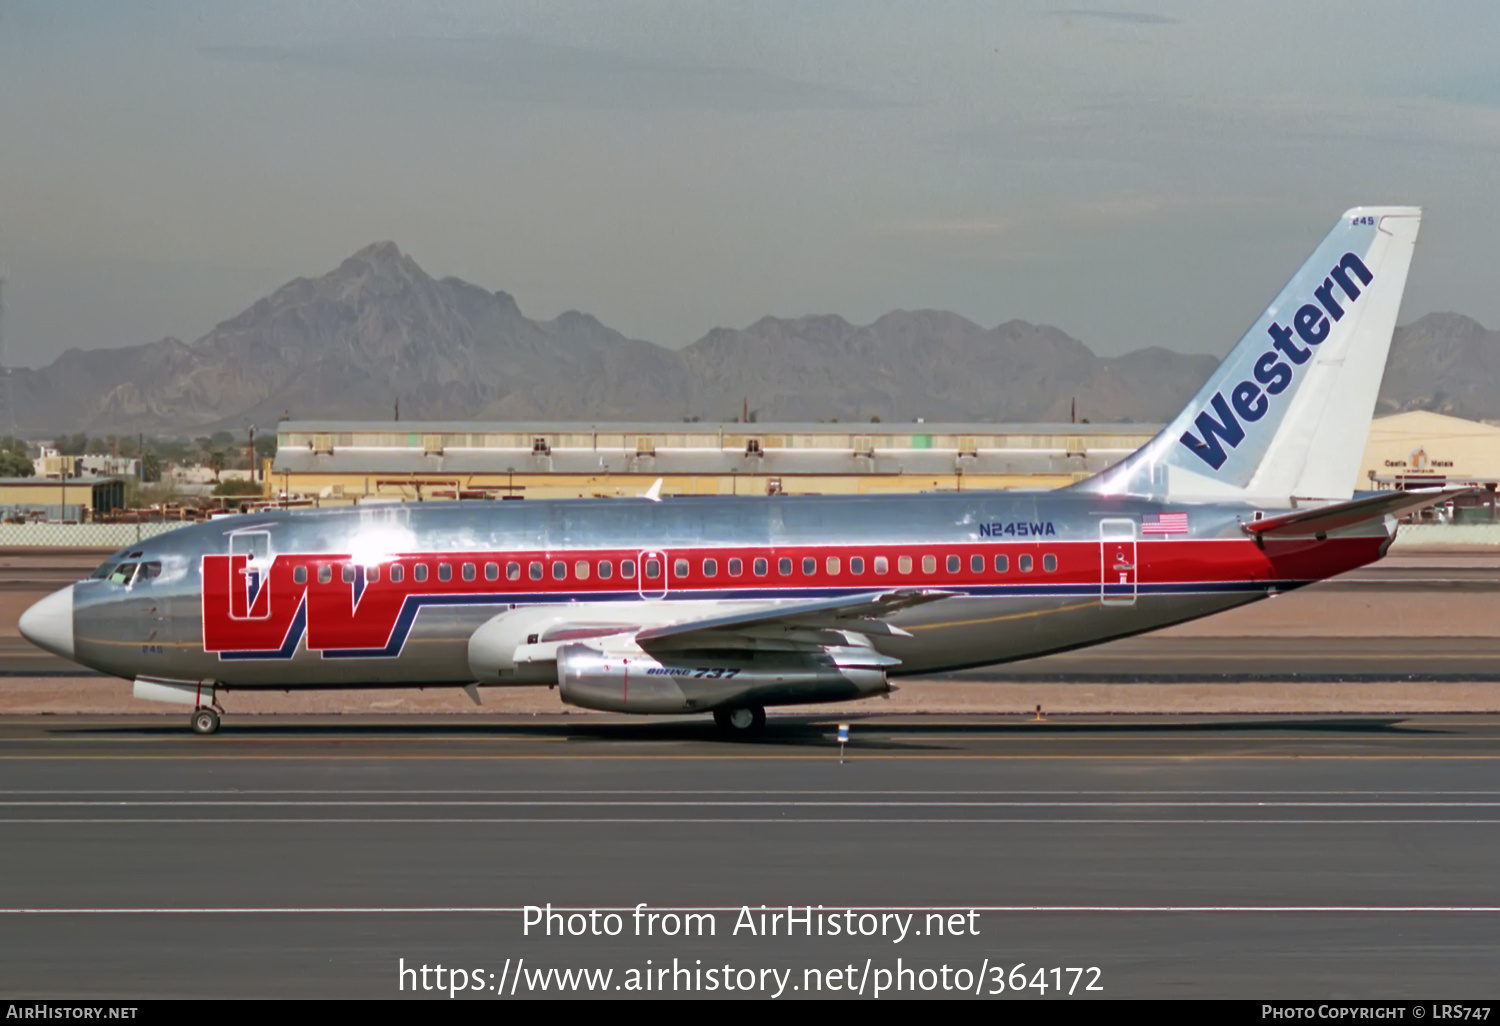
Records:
x=651, y=576
x=1117, y=562
x=250, y=593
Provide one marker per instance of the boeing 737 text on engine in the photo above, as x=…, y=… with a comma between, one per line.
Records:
x=730, y=605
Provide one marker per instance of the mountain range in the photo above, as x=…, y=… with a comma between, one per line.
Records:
x=377, y=328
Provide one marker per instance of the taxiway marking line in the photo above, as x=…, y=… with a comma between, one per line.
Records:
x=754, y=822
x=1017, y=735
x=853, y=756
x=332, y=739
x=222, y=803
x=607, y=795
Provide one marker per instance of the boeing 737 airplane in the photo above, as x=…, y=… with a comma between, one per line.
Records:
x=730, y=605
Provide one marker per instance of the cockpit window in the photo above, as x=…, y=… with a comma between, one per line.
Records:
x=105, y=569
x=122, y=574
x=148, y=571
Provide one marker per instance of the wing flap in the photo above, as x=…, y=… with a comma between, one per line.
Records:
x=845, y=612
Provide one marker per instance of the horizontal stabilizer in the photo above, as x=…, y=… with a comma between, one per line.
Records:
x=1307, y=523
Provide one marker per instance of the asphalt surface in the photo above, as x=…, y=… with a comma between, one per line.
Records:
x=1290, y=857
x=1144, y=660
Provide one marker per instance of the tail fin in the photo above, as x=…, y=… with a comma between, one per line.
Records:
x=1288, y=411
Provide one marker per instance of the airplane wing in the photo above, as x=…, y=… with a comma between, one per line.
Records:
x=862, y=612
x=786, y=625
x=1307, y=523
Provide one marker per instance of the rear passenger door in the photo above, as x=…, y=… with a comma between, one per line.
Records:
x=1117, y=562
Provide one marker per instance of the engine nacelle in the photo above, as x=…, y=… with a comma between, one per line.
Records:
x=635, y=681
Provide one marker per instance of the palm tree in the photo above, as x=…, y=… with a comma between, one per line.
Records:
x=216, y=463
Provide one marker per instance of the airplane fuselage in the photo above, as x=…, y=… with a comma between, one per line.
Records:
x=393, y=595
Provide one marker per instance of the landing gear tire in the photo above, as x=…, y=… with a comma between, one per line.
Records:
x=741, y=721
x=205, y=721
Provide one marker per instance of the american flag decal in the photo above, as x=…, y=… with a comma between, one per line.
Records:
x=1165, y=523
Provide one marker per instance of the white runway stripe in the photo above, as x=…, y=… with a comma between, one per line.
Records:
x=741, y=804
x=761, y=820
x=759, y=792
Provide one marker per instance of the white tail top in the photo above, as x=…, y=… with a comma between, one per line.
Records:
x=1288, y=411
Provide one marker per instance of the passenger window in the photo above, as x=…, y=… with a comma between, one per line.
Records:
x=736, y=568
x=856, y=564
x=976, y=564
x=653, y=568
x=831, y=564
x=606, y=570
x=761, y=566
x=559, y=570
x=492, y=571
x=1049, y=563
x=784, y=566
x=627, y=569
x=468, y=571
x=903, y=564
x=1002, y=564
x=419, y=572
x=347, y=573
x=929, y=564
x=679, y=568
x=445, y=572
x=512, y=571
x=1025, y=564
x=710, y=568
x=953, y=564
x=325, y=573
x=398, y=573
x=809, y=566
x=581, y=569
x=372, y=574
x=534, y=570
x=299, y=575
x=882, y=565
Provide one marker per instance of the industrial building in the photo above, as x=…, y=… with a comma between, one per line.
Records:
x=338, y=462
x=70, y=500
x=342, y=462
x=1422, y=449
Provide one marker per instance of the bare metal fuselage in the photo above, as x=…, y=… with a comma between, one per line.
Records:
x=312, y=599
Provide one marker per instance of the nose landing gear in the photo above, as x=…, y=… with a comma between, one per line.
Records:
x=205, y=721
x=741, y=721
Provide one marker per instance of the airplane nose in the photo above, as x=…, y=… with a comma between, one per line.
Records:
x=49, y=623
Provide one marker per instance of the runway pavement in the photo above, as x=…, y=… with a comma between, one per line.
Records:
x=1211, y=856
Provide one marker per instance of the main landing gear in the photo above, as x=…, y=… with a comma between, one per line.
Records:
x=205, y=721
x=741, y=720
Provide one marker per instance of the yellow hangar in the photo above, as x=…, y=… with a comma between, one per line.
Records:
x=337, y=462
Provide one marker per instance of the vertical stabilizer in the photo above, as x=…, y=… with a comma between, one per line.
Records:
x=1287, y=413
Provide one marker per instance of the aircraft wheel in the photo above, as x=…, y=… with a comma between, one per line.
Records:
x=741, y=720
x=205, y=721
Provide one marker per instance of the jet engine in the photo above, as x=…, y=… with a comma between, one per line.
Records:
x=632, y=680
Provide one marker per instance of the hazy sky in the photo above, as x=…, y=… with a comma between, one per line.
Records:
x=1137, y=174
